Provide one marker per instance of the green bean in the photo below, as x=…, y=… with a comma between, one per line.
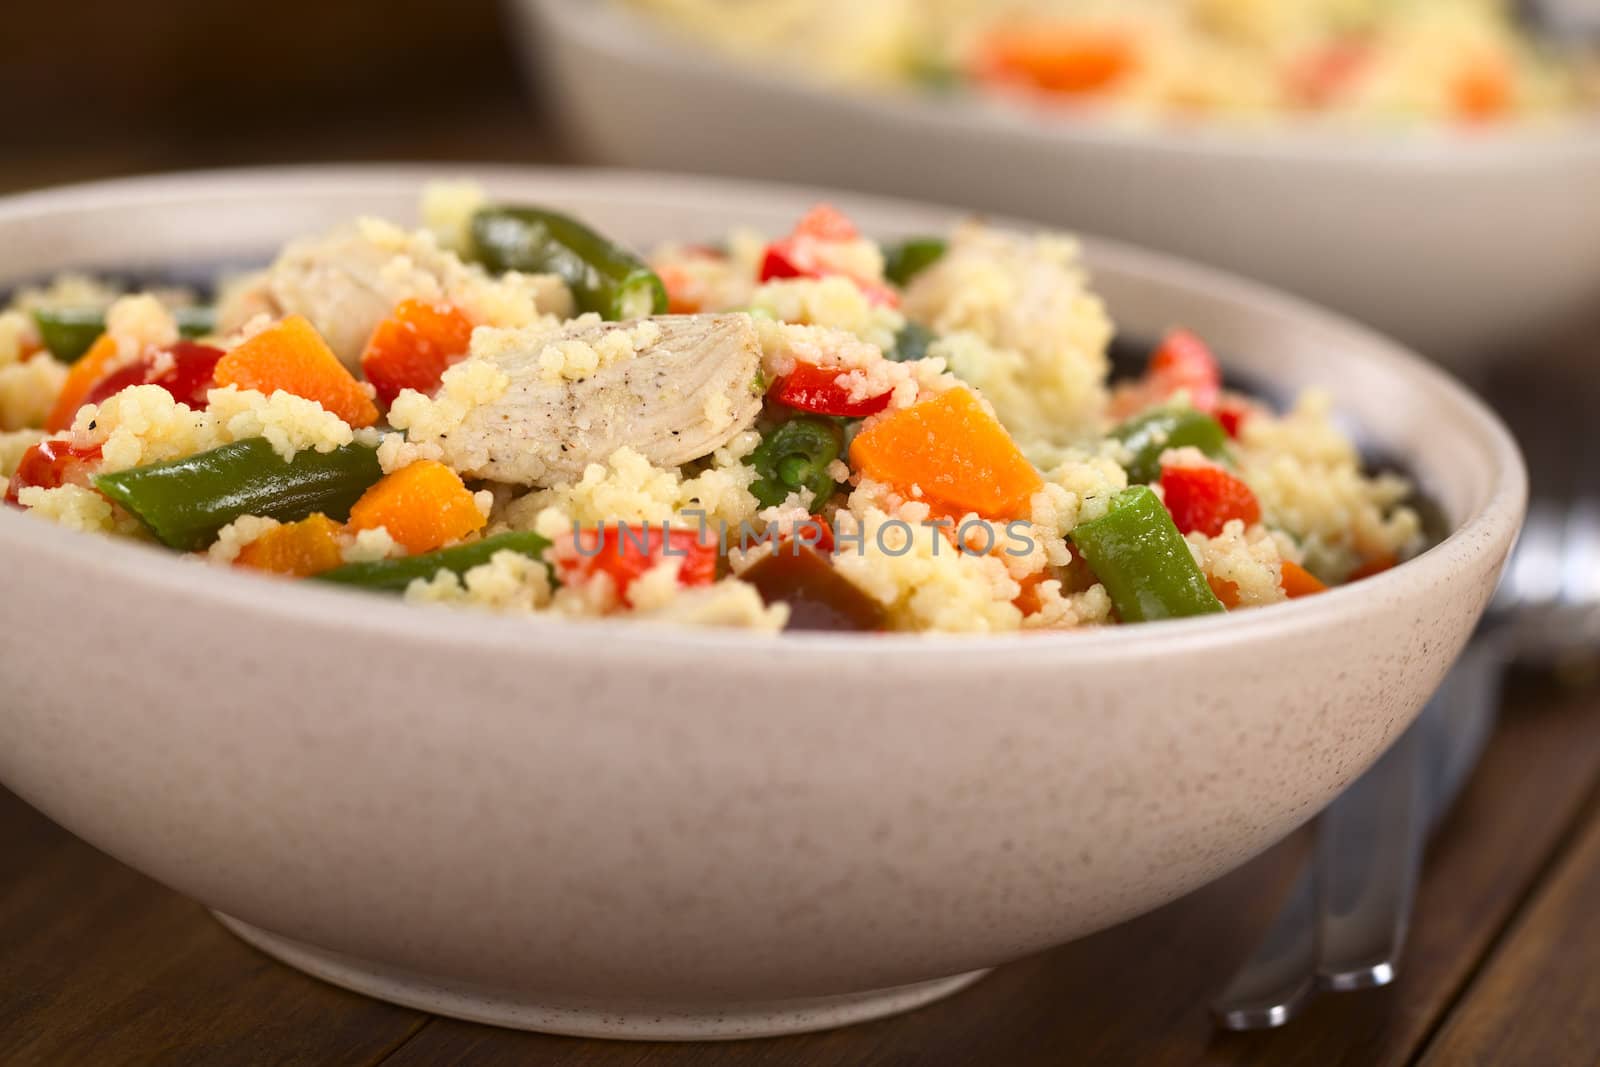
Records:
x=1150, y=434
x=68, y=332
x=394, y=575
x=184, y=502
x=935, y=74
x=907, y=259
x=1144, y=563
x=911, y=343
x=604, y=277
x=795, y=456
x=196, y=321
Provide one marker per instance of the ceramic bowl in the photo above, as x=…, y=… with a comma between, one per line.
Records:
x=632, y=830
x=1465, y=247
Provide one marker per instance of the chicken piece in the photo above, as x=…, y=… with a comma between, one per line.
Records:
x=672, y=388
x=351, y=279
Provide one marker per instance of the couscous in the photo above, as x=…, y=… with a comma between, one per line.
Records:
x=506, y=410
x=1372, y=61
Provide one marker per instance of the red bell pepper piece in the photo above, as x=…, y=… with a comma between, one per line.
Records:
x=795, y=256
x=1231, y=414
x=1206, y=498
x=626, y=552
x=189, y=374
x=811, y=388
x=1322, y=75
x=1183, y=361
x=824, y=222
x=50, y=464
x=824, y=541
x=777, y=264
x=414, y=347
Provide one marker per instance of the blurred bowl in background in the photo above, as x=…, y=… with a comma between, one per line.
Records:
x=1463, y=245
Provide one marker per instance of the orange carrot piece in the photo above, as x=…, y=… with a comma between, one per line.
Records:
x=1482, y=91
x=958, y=454
x=297, y=549
x=1057, y=59
x=1028, y=601
x=1299, y=582
x=89, y=371
x=1226, y=591
x=293, y=357
x=424, y=506
x=1374, y=565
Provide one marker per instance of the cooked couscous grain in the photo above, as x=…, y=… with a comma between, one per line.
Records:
x=807, y=442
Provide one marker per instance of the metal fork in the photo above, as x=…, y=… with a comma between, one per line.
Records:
x=1344, y=922
x=1345, y=919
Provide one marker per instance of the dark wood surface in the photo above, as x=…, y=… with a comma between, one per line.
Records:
x=100, y=965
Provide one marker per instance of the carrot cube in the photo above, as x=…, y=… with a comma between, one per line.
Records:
x=293, y=357
x=424, y=506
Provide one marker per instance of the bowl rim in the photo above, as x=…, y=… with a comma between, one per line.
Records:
x=631, y=37
x=1495, y=522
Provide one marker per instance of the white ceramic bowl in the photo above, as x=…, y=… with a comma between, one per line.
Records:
x=638, y=831
x=1462, y=246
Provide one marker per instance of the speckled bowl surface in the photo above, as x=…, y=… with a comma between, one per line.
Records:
x=639, y=831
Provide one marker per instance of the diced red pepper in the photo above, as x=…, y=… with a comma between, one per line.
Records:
x=188, y=375
x=817, y=390
x=777, y=264
x=825, y=222
x=1183, y=361
x=414, y=347
x=824, y=541
x=795, y=256
x=1320, y=76
x=627, y=552
x=1206, y=498
x=50, y=464
x=879, y=295
x=1231, y=414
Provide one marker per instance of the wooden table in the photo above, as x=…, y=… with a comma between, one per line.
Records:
x=100, y=965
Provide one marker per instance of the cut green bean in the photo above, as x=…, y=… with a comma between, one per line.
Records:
x=1150, y=434
x=796, y=456
x=68, y=333
x=604, y=277
x=184, y=502
x=1143, y=561
x=196, y=321
x=907, y=259
x=394, y=575
x=911, y=343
